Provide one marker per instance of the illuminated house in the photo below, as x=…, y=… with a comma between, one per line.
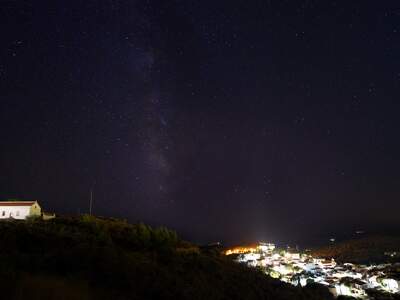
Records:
x=266, y=247
x=19, y=209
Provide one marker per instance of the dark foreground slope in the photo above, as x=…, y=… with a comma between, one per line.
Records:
x=93, y=258
x=369, y=249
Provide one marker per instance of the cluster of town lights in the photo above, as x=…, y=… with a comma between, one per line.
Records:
x=301, y=268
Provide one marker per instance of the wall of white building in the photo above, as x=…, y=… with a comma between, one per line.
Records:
x=19, y=212
x=35, y=210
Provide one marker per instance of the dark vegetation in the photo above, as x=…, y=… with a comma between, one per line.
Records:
x=381, y=295
x=372, y=249
x=374, y=295
x=95, y=258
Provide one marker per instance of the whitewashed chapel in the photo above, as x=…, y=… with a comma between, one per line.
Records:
x=19, y=209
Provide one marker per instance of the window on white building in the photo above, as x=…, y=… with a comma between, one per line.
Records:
x=18, y=213
x=4, y=213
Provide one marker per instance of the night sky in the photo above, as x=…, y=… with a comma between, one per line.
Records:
x=225, y=120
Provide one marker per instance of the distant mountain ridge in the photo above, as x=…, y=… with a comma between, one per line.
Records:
x=366, y=249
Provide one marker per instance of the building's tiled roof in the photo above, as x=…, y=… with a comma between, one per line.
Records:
x=17, y=203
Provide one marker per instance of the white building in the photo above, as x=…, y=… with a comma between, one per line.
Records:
x=19, y=209
x=266, y=247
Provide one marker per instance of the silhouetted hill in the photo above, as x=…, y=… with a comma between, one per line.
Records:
x=96, y=258
x=370, y=249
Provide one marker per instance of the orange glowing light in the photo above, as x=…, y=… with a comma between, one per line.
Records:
x=240, y=250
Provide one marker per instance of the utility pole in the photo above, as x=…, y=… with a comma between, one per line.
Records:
x=91, y=198
x=91, y=201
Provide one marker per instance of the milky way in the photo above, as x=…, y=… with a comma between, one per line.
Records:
x=224, y=120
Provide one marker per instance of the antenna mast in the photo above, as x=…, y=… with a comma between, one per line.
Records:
x=91, y=201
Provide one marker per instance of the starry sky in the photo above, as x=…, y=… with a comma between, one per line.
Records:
x=225, y=120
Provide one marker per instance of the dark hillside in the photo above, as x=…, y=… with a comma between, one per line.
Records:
x=94, y=258
x=371, y=249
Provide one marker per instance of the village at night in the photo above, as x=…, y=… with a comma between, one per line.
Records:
x=301, y=268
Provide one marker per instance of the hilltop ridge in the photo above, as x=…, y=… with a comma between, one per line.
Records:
x=88, y=257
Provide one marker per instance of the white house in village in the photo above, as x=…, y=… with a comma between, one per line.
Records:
x=19, y=209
